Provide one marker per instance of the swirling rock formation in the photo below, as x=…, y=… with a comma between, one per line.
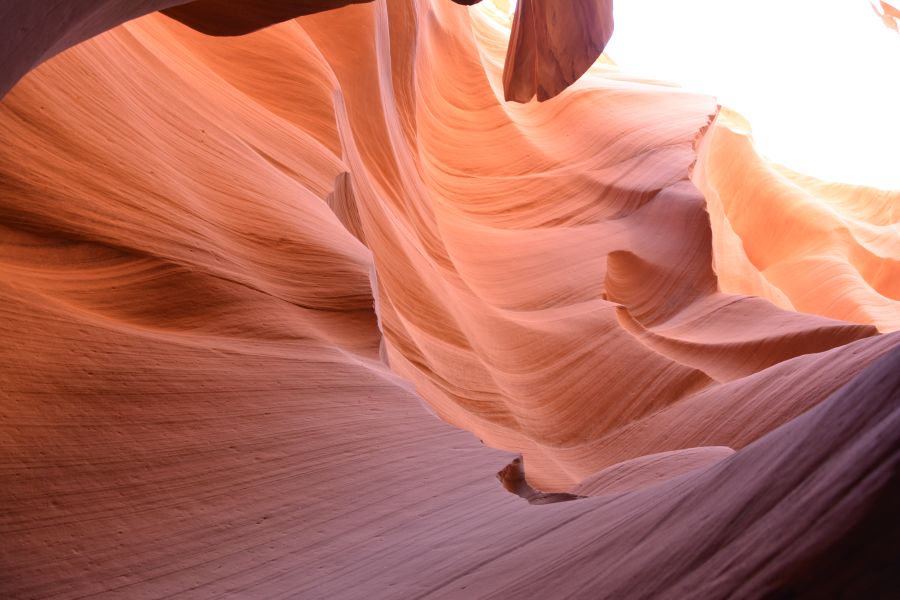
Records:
x=33, y=32
x=826, y=248
x=241, y=275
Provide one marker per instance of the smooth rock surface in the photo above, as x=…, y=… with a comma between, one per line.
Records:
x=242, y=277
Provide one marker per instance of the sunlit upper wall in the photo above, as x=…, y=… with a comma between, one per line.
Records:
x=818, y=80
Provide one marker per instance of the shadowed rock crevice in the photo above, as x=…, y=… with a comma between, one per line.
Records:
x=512, y=477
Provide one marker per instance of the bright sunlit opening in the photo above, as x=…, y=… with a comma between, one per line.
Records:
x=819, y=81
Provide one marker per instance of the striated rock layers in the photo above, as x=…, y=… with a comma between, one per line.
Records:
x=241, y=275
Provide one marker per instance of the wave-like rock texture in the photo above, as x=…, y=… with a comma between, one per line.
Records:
x=32, y=32
x=231, y=267
x=826, y=248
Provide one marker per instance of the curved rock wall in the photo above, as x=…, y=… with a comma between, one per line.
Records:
x=238, y=273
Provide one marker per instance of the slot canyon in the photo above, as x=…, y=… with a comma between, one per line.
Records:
x=364, y=299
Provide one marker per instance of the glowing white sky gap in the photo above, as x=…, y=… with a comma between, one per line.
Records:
x=819, y=80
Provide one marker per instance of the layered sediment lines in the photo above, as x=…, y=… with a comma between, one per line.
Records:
x=240, y=273
x=32, y=32
x=825, y=248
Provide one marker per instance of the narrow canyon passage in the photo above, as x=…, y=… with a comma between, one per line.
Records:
x=281, y=296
